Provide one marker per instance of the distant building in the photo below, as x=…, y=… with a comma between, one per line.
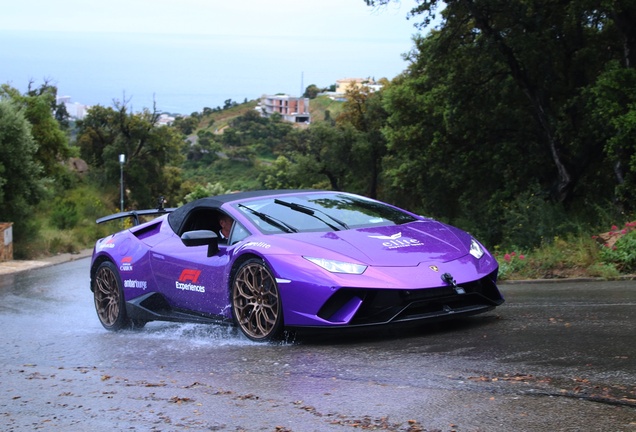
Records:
x=292, y=109
x=165, y=120
x=75, y=110
x=345, y=84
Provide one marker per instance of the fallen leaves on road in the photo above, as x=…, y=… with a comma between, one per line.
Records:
x=248, y=396
x=575, y=387
x=510, y=378
x=179, y=400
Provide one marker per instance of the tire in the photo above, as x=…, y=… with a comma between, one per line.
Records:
x=109, y=298
x=256, y=303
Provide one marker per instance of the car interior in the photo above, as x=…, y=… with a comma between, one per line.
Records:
x=202, y=219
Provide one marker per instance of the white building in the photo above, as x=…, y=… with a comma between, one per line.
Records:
x=75, y=110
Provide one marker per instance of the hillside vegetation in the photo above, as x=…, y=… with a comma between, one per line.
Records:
x=67, y=224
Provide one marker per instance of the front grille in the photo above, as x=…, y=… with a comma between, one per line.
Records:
x=387, y=305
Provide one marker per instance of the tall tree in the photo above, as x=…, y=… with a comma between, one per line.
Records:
x=611, y=118
x=153, y=153
x=21, y=186
x=511, y=94
x=364, y=111
x=39, y=109
x=321, y=157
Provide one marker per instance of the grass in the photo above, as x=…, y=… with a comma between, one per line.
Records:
x=70, y=234
x=220, y=119
x=320, y=105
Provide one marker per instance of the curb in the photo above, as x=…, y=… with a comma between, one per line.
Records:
x=561, y=280
x=18, y=266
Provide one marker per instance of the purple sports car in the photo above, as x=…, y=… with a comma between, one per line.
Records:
x=273, y=260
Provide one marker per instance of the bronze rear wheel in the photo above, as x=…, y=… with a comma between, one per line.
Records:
x=109, y=298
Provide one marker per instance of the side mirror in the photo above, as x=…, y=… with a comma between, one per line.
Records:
x=202, y=238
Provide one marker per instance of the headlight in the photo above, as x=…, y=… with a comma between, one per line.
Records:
x=475, y=249
x=338, y=266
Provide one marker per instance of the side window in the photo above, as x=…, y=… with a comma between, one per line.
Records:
x=210, y=219
x=238, y=233
x=202, y=219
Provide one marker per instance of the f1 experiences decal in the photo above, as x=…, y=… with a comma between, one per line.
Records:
x=188, y=281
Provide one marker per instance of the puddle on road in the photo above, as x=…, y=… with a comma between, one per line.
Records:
x=186, y=336
x=193, y=334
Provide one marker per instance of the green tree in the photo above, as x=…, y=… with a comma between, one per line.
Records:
x=210, y=189
x=282, y=174
x=323, y=155
x=39, y=108
x=251, y=134
x=612, y=115
x=505, y=101
x=188, y=124
x=363, y=109
x=312, y=91
x=153, y=153
x=204, y=151
x=229, y=103
x=97, y=131
x=21, y=184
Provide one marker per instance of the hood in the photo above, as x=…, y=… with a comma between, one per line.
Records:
x=395, y=245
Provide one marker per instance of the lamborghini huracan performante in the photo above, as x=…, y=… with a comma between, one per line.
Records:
x=289, y=260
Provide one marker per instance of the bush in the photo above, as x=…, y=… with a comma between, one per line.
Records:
x=622, y=253
x=602, y=270
x=64, y=214
x=531, y=220
x=210, y=189
x=511, y=263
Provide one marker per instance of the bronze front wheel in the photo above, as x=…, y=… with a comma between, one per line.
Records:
x=256, y=303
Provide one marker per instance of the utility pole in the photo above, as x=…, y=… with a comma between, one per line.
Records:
x=122, y=160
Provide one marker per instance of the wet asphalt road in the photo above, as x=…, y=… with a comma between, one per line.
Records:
x=554, y=357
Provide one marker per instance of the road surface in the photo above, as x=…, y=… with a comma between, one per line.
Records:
x=554, y=357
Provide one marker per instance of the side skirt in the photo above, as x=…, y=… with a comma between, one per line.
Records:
x=154, y=307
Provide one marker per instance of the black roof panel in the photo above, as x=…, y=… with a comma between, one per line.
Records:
x=176, y=218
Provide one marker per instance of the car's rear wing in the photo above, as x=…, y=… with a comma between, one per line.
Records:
x=135, y=214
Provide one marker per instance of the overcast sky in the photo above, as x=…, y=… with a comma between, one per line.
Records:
x=262, y=46
x=234, y=17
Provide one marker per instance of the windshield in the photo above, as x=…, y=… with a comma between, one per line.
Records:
x=319, y=212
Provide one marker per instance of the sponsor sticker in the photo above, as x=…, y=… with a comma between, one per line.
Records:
x=188, y=281
x=258, y=244
x=108, y=244
x=189, y=275
x=396, y=241
x=132, y=283
x=126, y=264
